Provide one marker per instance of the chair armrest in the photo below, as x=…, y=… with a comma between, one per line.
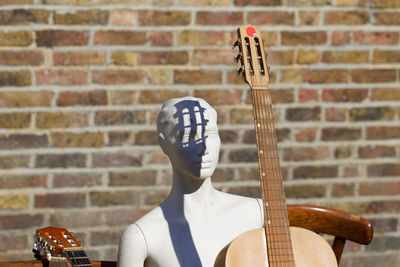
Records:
x=330, y=221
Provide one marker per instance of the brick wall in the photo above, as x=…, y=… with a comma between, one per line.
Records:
x=82, y=82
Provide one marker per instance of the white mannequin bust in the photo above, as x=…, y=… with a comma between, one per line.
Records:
x=196, y=221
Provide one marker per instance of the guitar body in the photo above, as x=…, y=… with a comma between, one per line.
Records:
x=249, y=249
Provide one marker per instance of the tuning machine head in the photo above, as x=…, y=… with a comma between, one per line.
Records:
x=240, y=70
x=237, y=43
x=238, y=57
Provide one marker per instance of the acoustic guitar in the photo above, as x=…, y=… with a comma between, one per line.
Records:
x=57, y=247
x=277, y=244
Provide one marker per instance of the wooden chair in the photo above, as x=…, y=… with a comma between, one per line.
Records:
x=342, y=225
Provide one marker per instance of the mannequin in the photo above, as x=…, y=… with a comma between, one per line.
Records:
x=196, y=221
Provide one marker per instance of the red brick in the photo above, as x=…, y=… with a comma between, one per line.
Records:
x=17, y=38
x=371, y=114
x=340, y=134
x=241, y=116
x=50, y=38
x=376, y=38
x=22, y=181
x=384, y=169
x=340, y=38
x=220, y=97
x=16, y=2
x=87, y=98
x=119, y=138
x=315, y=171
x=307, y=57
x=161, y=18
x=303, y=114
x=335, y=114
x=24, y=17
x=213, y=57
x=79, y=58
x=107, y=237
x=281, y=57
x=192, y=37
x=379, y=188
x=15, y=78
x=104, y=198
x=123, y=97
x=15, y=120
x=164, y=58
x=123, y=217
x=11, y=161
x=117, y=76
x=22, y=57
x=13, y=242
x=309, y=17
x=306, y=135
x=133, y=178
x=115, y=117
x=15, y=141
x=389, y=206
x=197, y=77
x=271, y=18
x=219, y=18
x=387, y=18
x=308, y=95
x=146, y=137
x=113, y=159
x=258, y=2
x=228, y=136
x=61, y=161
x=343, y=190
x=86, y=17
x=373, y=75
x=77, y=179
x=385, y=94
x=120, y=38
x=62, y=200
x=386, y=56
x=123, y=17
x=46, y=120
x=305, y=191
x=344, y=95
x=20, y=221
x=304, y=38
x=382, y=132
x=346, y=17
x=25, y=99
x=307, y=3
x=161, y=38
x=305, y=153
x=243, y=155
x=61, y=77
x=376, y=151
x=326, y=76
x=86, y=139
x=75, y=219
x=345, y=57
x=382, y=225
x=385, y=4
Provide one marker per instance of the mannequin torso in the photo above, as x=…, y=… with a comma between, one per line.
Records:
x=196, y=221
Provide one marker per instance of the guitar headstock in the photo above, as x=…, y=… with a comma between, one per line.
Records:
x=52, y=243
x=252, y=57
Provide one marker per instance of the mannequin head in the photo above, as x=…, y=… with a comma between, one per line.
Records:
x=188, y=135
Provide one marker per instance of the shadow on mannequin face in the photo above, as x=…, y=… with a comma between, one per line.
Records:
x=188, y=134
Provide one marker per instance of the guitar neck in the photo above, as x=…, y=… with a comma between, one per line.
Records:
x=77, y=257
x=279, y=245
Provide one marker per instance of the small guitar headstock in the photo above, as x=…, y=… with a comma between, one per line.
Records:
x=55, y=244
x=252, y=57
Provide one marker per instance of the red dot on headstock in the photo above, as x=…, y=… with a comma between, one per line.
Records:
x=251, y=31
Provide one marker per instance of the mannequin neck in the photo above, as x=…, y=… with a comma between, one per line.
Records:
x=190, y=196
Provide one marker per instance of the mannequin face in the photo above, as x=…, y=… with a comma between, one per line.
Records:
x=189, y=136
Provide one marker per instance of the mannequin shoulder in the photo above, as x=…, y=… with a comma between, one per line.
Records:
x=244, y=204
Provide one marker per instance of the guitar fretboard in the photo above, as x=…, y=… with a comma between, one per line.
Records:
x=77, y=257
x=279, y=245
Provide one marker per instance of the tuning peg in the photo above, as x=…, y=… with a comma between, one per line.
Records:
x=237, y=43
x=240, y=70
x=238, y=57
